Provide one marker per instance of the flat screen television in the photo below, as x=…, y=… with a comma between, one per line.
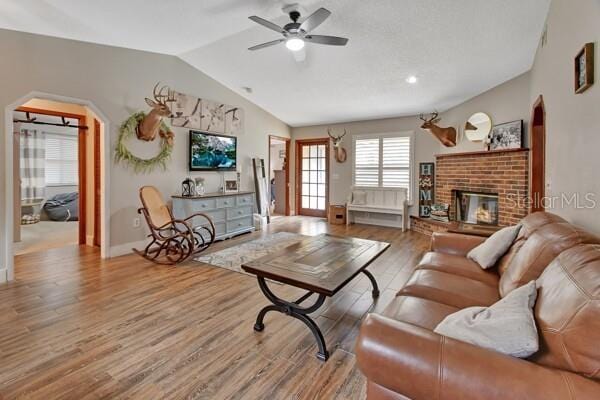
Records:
x=212, y=152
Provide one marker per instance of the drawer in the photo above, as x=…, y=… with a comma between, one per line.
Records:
x=216, y=215
x=220, y=229
x=239, y=212
x=239, y=224
x=200, y=205
x=227, y=201
x=245, y=199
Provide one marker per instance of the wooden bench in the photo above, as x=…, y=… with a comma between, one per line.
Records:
x=382, y=206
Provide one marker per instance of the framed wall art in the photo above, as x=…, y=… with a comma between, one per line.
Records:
x=584, y=68
x=506, y=136
x=426, y=188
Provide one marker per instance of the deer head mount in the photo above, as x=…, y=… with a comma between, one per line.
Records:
x=339, y=151
x=445, y=135
x=149, y=127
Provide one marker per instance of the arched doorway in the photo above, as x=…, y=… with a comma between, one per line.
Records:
x=6, y=234
x=538, y=155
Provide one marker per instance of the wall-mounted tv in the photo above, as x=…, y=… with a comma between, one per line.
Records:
x=212, y=152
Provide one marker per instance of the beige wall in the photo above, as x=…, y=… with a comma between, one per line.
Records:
x=572, y=121
x=116, y=80
x=504, y=103
x=341, y=173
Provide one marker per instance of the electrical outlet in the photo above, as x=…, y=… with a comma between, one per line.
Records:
x=137, y=222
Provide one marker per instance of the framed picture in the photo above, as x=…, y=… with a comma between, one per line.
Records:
x=506, y=136
x=584, y=68
x=426, y=185
x=231, y=185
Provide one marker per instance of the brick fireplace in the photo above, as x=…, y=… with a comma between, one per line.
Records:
x=504, y=173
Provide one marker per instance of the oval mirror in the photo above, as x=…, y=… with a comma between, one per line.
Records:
x=478, y=127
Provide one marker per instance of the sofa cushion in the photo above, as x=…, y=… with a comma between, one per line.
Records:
x=529, y=224
x=458, y=265
x=488, y=252
x=539, y=250
x=417, y=311
x=506, y=326
x=453, y=290
x=568, y=312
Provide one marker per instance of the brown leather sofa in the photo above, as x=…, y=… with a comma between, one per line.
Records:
x=403, y=358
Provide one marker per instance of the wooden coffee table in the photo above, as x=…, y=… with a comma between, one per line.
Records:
x=321, y=264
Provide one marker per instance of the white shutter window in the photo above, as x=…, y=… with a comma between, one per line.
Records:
x=366, y=162
x=61, y=160
x=383, y=161
x=396, y=162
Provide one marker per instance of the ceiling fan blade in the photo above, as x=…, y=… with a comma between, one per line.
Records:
x=267, y=24
x=262, y=46
x=330, y=40
x=315, y=19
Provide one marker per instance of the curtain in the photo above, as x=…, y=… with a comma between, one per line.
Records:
x=33, y=160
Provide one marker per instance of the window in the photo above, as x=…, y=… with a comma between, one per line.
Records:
x=383, y=161
x=61, y=160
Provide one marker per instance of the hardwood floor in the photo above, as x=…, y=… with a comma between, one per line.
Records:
x=75, y=327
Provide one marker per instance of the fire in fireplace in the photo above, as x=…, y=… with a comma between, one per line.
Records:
x=476, y=208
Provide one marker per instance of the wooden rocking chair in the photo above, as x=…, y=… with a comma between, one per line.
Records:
x=173, y=240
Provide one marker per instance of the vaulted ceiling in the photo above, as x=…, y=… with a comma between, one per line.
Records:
x=457, y=49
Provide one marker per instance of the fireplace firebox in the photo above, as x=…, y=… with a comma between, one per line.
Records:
x=476, y=208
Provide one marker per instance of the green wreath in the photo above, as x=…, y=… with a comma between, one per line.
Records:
x=122, y=154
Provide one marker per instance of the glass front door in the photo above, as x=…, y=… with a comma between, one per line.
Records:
x=312, y=176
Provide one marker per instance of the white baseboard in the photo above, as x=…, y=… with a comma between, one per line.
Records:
x=3, y=275
x=126, y=248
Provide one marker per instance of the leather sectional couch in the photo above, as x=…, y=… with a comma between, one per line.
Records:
x=403, y=358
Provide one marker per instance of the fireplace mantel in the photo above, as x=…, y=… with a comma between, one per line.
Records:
x=479, y=153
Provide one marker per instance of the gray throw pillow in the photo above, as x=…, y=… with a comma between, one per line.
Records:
x=508, y=326
x=359, y=198
x=494, y=247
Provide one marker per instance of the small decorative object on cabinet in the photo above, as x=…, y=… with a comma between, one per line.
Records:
x=478, y=127
x=440, y=212
x=230, y=182
x=426, y=185
x=584, y=68
x=188, y=188
x=337, y=215
x=173, y=239
x=445, y=135
x=506, y=136
x=199, y=182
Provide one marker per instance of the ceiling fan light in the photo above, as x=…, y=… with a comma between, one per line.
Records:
x=294, y=44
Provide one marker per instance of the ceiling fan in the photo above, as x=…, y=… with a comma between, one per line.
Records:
x=295, y=34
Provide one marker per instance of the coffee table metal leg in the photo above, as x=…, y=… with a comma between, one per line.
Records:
x=373, y=282
x=293, y=310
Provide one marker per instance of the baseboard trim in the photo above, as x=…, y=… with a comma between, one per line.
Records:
x=126, y=248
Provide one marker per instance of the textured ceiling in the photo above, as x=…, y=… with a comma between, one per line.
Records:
x=457, y=48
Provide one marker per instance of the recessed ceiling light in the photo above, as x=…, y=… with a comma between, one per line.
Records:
x=412, y=79
x=294, y=44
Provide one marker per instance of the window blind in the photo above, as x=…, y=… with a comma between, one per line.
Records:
x=366, y=162
x=61, y=160
x=383, y=161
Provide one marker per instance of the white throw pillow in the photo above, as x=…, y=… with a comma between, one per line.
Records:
x=507, y=326
x=359, y=198
x=494, y=247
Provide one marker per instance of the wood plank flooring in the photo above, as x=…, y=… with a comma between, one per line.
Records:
x=73, y=326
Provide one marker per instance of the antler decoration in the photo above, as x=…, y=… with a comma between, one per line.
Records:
x=149, y=127
x=340, y=152
x=445, y=135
